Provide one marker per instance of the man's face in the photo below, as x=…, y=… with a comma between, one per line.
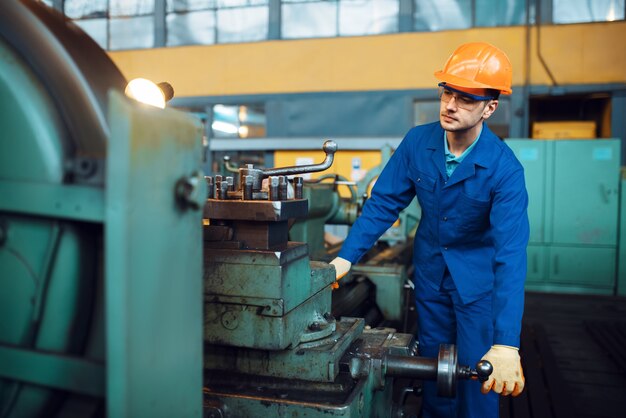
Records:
x=458, y=112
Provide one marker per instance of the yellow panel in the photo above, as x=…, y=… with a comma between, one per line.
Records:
x=580, y=54
x=564, y=130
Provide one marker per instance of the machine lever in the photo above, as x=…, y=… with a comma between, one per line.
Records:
x=329, y=147
x=481, y=373
x=230, y=166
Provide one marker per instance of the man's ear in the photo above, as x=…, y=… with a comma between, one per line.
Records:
x=491, y=107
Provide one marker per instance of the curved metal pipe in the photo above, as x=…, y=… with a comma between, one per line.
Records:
x=329, y=147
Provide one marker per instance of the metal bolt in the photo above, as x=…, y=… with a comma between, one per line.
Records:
x=282, y=188
x=315, y=326
x=223, y=191
x=83, y=167
x=247, y=188
x=218, y=187
x=298, y=185
x=273, y=194
x=209, y=183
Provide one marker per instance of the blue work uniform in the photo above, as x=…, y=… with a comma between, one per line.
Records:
x=469, y=250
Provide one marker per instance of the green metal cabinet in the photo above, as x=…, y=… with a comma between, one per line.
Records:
x=536, y=272
x=621, y=275
x=573, y=189
x=534, y=156
x=585, y=192
x=585, y=266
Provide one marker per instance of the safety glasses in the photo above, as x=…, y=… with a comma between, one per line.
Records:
x=462, y=99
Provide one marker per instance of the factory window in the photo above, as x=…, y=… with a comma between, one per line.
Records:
x=502, y=13
x=190, y=28
x=131, y=24
x=192, y=22
x=91, y=16
x=435, y=15
x=315, y=18
x=115, y=24
x=128, y=24
x=238, y=121
x=576, y=11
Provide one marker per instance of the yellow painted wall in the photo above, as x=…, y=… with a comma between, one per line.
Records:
x=576, y=54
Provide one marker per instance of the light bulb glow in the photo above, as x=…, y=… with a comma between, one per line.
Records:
x=145, y=91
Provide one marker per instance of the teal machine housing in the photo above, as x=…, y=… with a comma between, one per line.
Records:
x=573, y=189
x=100, y=244
x=621, y=265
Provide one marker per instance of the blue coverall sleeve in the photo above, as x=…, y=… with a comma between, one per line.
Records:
x=510, y=233
x=392, y=192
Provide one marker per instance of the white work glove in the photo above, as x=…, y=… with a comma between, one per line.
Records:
x=342, y=267
x=507, y=377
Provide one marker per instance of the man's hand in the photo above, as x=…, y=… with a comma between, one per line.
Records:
x=507, y=377
x=342, y=267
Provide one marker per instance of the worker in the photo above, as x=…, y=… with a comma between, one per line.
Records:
x=470, y=246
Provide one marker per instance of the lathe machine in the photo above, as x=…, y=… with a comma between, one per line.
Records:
x=128, y=288
x=272, y=343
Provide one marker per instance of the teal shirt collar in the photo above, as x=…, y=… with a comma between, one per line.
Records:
x=453, y=161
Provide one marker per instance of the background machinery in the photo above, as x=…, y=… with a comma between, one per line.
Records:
x=377, y=288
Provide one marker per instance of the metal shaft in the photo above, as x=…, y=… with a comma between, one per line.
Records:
x=411, y=367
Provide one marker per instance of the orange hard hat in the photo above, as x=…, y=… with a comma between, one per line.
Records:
x=478, y=65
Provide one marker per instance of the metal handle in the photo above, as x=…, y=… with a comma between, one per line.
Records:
x=329, y=147
x=482, y=372
x=606, y=193
x=229, y=166
x=556, y=264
